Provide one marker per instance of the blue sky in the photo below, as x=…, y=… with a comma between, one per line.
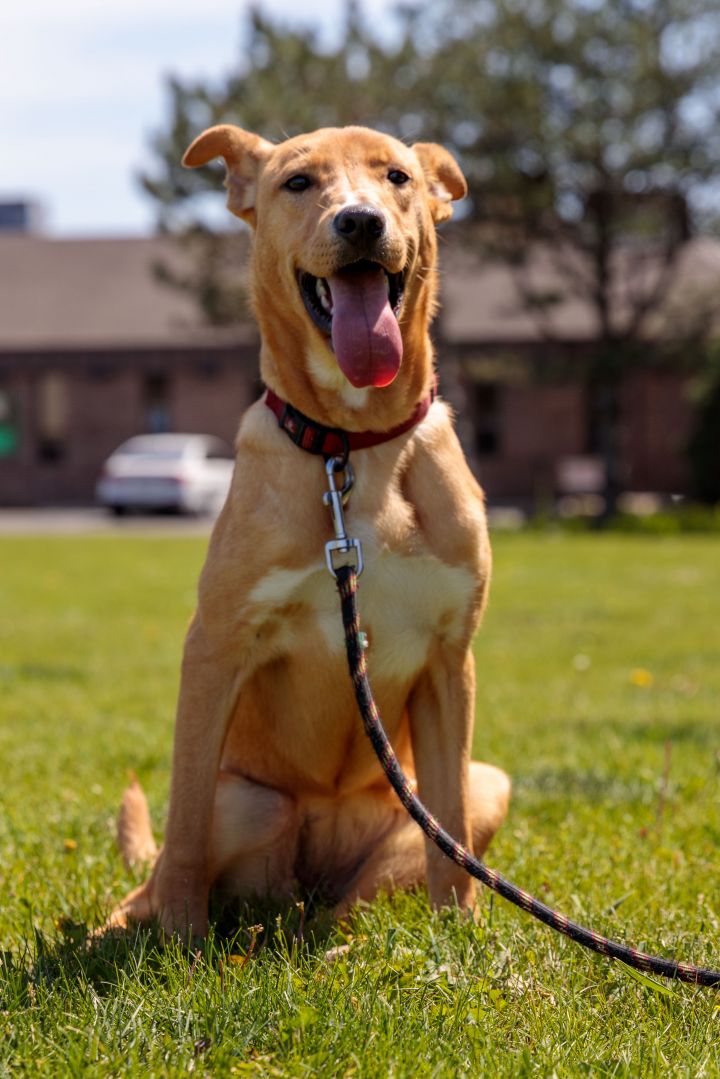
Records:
x=82, y=88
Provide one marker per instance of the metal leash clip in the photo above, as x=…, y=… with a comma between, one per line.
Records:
x=335, y=499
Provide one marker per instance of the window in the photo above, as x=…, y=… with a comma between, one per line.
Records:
x=52, y=418
x=157, y=403
x=487, y=418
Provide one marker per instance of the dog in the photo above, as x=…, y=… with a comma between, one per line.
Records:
x=274, y=783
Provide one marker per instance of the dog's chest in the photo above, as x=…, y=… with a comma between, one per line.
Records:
x=407, y=602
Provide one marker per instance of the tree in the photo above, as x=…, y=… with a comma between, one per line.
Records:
x=588, y=129
x=598, y=140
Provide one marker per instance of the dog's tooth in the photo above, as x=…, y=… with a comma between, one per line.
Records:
x=323, y=294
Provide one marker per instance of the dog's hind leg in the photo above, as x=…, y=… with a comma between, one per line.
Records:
x=252, y=845
x=490, y=790
x=254, y=839
x=399, y=860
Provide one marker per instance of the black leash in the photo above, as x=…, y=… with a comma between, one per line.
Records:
x=338, y=551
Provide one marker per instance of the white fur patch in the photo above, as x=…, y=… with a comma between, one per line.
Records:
x=406, y=603
x=326, y=374
x=278, y=587
x=311, y=588
x=437, y=415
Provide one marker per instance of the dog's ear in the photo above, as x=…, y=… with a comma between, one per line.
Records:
x=243, y=154
x=445, y=181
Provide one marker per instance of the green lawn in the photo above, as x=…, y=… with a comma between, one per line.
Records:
x=598, y=690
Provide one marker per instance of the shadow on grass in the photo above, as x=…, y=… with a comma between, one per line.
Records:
x=656, y=731
x=74, y=955
x=41, y=672
x=590, y=786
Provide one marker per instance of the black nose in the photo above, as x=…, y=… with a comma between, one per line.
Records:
x=360, y=224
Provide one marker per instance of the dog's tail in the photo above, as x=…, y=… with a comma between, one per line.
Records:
x=134, y=831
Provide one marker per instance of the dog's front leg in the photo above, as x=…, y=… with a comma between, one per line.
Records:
x=442, y=710
x=180, y=883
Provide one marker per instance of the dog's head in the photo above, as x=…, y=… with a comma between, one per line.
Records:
x=346, y=263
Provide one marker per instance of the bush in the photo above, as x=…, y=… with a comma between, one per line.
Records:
x=685, y=518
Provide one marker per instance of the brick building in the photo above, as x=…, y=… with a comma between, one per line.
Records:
x=521, y=420
x=93, y=349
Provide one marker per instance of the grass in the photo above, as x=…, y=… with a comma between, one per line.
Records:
x=598, y=690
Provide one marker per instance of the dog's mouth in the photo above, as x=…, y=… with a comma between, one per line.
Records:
x=358, y=309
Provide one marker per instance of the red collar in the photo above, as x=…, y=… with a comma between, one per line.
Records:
x=329, y=441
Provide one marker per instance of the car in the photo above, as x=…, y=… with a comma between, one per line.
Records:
x=176, y=472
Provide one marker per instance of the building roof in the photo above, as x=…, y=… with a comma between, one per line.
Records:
x=483, y=300
x=103, y=293
x=88, y=293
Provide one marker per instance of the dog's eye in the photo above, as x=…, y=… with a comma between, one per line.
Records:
x=397, y=176
x=298, y=183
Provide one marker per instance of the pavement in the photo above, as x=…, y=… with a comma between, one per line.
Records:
x=92, y=520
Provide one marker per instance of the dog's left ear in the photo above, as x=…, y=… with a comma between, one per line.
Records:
x=243, y=154
x=445, y=181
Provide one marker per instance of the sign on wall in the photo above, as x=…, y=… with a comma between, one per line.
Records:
x=9, y=433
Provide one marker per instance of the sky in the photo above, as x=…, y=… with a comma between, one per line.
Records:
x=82, y=88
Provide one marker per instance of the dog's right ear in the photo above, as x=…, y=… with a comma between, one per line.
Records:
x=243, y=154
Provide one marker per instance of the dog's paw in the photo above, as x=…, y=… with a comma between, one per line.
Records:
x=179, y=900
x=172, y=899
x=134, y=910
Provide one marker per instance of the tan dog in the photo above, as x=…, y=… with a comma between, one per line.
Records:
x=274, y=782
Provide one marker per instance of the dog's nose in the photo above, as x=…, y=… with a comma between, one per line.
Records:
x=360, y=224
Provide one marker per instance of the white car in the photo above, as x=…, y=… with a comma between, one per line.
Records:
x=185, y=473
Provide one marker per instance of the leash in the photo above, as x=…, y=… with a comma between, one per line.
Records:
x=345, y=563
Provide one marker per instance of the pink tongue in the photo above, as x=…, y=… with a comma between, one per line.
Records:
x=365, y=333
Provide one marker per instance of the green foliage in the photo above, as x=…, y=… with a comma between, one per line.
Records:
x=587, y=127
x=588, y=132
x=686, y=517
x=598, y=688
